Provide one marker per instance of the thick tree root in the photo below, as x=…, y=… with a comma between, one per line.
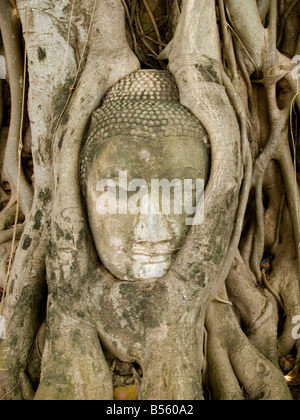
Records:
x=76, y=347
x=231, y=356
x=285, y=280
x=256, y=309
x=7, y=235
x=10, y=31
x=15, y=349
x=8, y=215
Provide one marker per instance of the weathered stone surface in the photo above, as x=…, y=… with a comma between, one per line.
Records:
x=141, y=130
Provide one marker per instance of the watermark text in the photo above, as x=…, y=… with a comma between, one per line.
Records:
x=296, y=329
x=118, y=196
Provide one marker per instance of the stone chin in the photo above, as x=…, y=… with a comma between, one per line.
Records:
x=148, y=270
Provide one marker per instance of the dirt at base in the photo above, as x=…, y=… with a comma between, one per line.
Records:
x=127, y=378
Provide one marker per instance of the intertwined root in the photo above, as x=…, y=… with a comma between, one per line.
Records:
x=248, y=373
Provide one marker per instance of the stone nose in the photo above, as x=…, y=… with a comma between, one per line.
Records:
x=151, y=227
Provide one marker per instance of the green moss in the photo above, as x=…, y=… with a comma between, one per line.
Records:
x=65, y=118
x=26, y=242
x=208, y=71
x=61, y=140
x=76, y=338
x=59, y=231
x=68, y=237
x=59, y=100
x=45, y=196
x=14, y=341
x=38, y=219
x=51, y=250
x=42, y=54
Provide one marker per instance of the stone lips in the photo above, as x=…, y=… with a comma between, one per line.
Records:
x=143, y=104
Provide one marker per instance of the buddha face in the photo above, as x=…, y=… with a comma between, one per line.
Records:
x=135, y=238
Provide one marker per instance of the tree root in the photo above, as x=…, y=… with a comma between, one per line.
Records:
x=16, y=348
x=8, y=215
x=274, y=192
x=85, y=374
x=203, y=98
x=10, y=30
x=31, y=256
x=256, y=310
x=7, y=235
x=5, y=251
x=231, y=356
x=285, y=280
x=285, y=161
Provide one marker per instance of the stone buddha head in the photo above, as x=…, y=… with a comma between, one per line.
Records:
x=143, y=149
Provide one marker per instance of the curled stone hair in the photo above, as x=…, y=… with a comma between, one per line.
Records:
x=144, y=104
